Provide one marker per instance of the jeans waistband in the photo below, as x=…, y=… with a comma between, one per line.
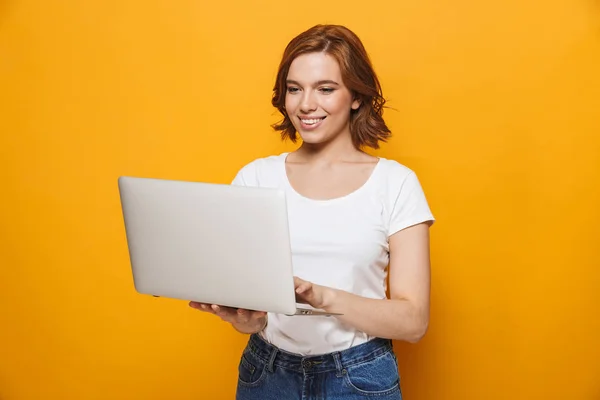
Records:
x=273, y=356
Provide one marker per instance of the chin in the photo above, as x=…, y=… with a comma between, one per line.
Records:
x=312, y=138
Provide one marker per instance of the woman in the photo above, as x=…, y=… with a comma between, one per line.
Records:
x=351, y=215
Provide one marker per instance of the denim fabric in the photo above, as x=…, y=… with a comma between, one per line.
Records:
x=368, y=370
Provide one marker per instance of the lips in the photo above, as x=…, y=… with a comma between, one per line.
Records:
x=308, y=124
x=311, y=121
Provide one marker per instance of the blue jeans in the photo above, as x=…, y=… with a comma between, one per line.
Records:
x=368, y=370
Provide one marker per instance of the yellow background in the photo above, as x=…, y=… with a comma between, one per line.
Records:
x=496, y=105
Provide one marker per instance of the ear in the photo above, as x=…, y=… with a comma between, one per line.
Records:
x=356, y=104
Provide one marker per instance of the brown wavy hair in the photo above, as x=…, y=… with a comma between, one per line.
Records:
x=367, y=126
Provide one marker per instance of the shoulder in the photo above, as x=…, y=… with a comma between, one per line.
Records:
x=406, y=200
x=260, y=170
x=394, y=175
x=400, y=183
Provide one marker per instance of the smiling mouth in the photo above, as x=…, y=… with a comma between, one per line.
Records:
x=311, y=121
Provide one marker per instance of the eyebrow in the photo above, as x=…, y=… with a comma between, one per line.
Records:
x=322, y=82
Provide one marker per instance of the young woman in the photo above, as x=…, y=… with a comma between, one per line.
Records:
x=353, y=219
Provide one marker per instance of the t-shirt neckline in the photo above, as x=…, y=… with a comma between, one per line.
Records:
x=357, y=191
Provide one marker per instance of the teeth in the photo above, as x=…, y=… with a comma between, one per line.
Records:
x=311, y=121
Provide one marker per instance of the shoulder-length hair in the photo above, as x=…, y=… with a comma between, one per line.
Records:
x=367, y=126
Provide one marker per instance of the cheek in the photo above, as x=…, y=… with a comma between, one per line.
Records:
x=339, y=106
x=290, y=103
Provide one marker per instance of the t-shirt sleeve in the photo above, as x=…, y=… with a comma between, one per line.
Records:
x=246, y=176
x=239, y=180
x=410, y=206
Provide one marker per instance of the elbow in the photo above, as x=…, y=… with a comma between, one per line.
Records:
x=413, y=325
x=418, y=331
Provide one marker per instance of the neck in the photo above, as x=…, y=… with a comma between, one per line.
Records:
x=339, y=149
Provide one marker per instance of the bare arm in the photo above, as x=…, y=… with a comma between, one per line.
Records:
x=405, y=316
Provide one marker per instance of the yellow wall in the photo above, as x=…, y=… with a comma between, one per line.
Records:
x=497, y=107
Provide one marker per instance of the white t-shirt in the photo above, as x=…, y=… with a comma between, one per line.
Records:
x=341, y=243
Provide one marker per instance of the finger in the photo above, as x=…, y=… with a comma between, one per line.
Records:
x=305, y=294
x=243, y=316
x=301, y=285
x=300, y=299
x=226, y=313
x=304, y=287
x=199, y=306
x=218, y=309
x=298, y=281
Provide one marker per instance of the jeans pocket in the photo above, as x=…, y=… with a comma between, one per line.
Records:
x=250, y=369
x=376, y=377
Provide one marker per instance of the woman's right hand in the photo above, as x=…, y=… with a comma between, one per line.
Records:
x=244, y=321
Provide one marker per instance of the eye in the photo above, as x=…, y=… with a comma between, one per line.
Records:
x=292, y=90
x=327, y=90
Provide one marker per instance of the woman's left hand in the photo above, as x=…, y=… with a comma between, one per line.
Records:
x=316, y=296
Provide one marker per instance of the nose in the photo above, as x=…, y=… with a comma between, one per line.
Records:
x=308, y=103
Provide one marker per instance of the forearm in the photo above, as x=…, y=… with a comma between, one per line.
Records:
x=253, y=326
x=397, y=319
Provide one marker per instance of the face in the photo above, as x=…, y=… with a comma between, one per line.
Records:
x=316, y=100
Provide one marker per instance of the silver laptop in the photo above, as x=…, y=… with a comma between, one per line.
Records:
x=211, y=243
